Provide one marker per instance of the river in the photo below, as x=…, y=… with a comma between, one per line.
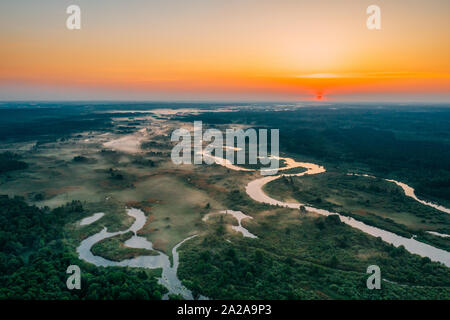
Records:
x=255, y=190
x=168, y=278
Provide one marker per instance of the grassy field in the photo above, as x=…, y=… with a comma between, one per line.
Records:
x=176, y=210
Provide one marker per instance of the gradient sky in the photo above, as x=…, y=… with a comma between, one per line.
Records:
x=225, y=50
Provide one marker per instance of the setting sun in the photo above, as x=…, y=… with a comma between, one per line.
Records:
x=252, y=50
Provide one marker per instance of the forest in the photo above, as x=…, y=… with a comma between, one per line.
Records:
x=10, y=161
x=34, y=257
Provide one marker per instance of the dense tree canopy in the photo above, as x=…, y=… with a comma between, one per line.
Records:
x=34, y=258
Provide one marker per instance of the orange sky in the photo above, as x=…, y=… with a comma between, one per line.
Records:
x=214, y=49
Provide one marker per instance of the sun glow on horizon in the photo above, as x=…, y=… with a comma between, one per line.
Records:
x=263, y=49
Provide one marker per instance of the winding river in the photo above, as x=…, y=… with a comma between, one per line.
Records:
x=255, y=190
x=168, y=278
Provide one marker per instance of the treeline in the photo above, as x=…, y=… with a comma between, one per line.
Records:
x=34, y=257
x=10, y=161
x=48, y=124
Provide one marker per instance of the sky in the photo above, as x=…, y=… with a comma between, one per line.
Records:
x=236, y=50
